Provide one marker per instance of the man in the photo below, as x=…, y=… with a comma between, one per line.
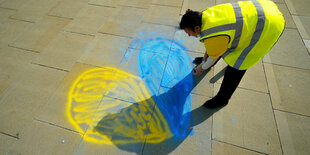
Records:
x=241, y=33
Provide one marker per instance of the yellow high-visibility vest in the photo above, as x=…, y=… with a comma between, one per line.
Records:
x=252, y=26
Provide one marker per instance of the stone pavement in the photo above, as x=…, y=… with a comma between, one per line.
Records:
x=89, y=77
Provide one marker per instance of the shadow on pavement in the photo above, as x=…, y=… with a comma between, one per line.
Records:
x=161, y=122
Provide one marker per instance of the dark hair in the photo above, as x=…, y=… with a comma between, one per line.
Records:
x=191, y=19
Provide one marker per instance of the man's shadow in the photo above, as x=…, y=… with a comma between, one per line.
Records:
x=147, y=122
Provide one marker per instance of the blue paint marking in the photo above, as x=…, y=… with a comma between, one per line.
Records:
x=166, y=62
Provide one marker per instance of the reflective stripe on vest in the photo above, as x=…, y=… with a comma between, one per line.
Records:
x=238, y=26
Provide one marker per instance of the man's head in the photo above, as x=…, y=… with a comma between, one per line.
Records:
x=191, y=22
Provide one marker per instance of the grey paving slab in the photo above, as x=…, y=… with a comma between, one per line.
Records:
x=198, y=142
x=34, y=10
x=253, y=79
x=64, y=102
x=13, y=4
x=13, y=62
x=248, y=121
x=289, y=22
x=90, y=19
x=191, y=43
x=135, y=3
x=105, y=50
x=40, y=34
x=220, y=148
x=11, y=29
x=293, y=130
x=289, y=88
x=110, y=3
x=20, y=102
x=298, y=7
x=124, y=21
x=176, y=3
x=303, y=25
x=116, y=127
x=5, y=14
x=68, y=8
x=289, y=51
x=176, y=65
x=162, y=15
x=64, y=50
x=196, y=5
x=5, y=143
x=148, y=30
x=231, y=1
x=43, y=138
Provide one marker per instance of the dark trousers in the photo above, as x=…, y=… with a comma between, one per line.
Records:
x=232, y=78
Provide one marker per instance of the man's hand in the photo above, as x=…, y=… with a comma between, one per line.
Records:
x=198, y=70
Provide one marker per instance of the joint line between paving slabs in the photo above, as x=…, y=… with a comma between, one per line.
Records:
x=275, y=120
x=292, y=113
x=80, y=33
x=60, y=17
x=21, y=20
x=167, y=5
x=58, y=126
x=134, y=7
x=8, y=8
x=115, y=35
x=50, y=67
x=101, y=5
x=286, y=66
x=240, y=147
x=159, y=24
x=33, y=51
x=9, y=135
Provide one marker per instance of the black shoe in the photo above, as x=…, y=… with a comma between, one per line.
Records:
x=198, y=60
x=215, y=102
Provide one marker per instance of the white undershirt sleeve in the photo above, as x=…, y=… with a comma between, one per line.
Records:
x=210, y=61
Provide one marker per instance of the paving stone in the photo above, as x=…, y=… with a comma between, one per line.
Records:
x=219, y=148
x=5, y=143
x=247, y=121
x=292, y=130
x=253, y=79
x=25, y=96
x=109, y=3
x=198, y=142
x=105, y=131
x=196, y=5
x=5, y=14
x=43, y=138
x=105, y=50
x=90, y=19
x=10, y=30
x=13, y=4
x=289, y=51
x=289, y=88
x=298, y=7
x=177, y=65
x=289, y=22
x=135, y=3
x=303, y=25
x=57, y=109
x=176, y=3
x=124, y=21
x=34, y=10
x=148, y=30
x=64, y=50
x=191, y=43
x=12, y=64
x=40, y=34
x=68, y=8
x=162, y=15
x=232, y=1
